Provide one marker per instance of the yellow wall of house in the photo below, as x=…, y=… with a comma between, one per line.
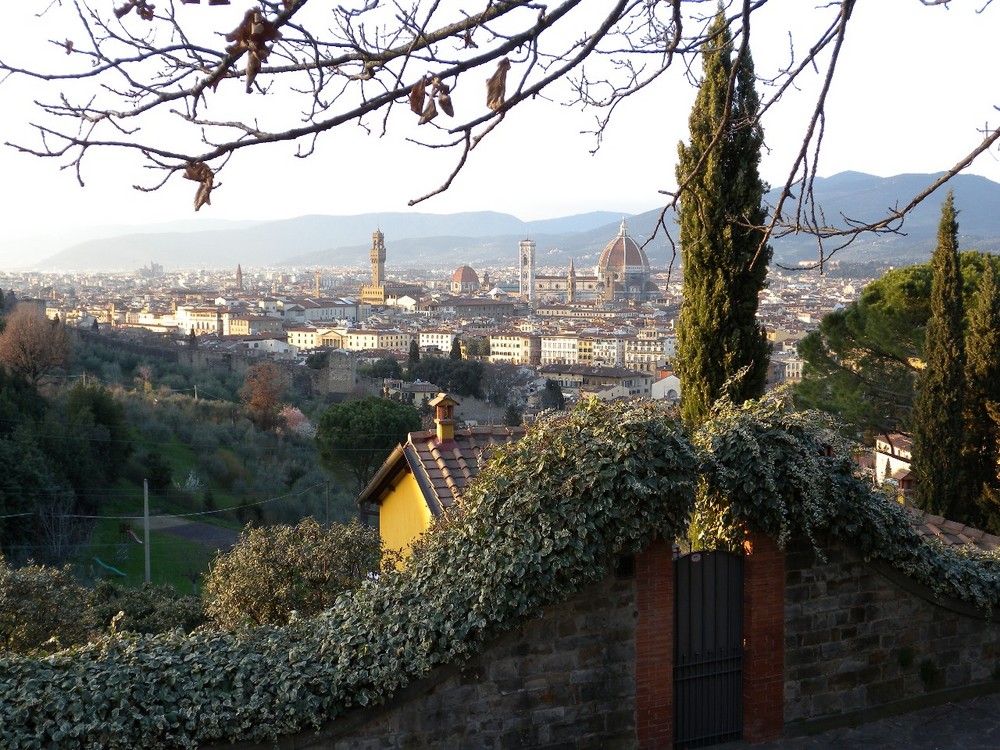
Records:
x=403, y=515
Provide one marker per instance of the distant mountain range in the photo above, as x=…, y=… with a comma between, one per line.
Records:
x=489, y=239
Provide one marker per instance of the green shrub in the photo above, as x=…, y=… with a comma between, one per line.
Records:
x=41, y=608
x=148, y=609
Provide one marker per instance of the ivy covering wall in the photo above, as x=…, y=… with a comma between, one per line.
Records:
x=545, y=519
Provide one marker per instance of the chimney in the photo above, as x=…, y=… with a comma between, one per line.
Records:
x=444, y=416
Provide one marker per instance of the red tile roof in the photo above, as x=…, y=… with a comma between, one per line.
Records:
x=444, y=469
x=952, y=533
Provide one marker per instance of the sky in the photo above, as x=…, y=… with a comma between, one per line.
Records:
x=916, y=85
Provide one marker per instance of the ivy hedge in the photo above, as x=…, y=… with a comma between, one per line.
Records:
x=546, y=518
x=786, y=473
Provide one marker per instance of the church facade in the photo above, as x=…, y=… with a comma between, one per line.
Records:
x=622, y=275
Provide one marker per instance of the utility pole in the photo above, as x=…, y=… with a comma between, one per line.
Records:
x=145, y=516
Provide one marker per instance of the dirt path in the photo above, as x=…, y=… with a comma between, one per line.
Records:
x=208, y=535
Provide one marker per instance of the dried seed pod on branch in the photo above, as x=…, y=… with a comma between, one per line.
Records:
x=252, y=36
x=352, y=63
x=496, y=85
x=144, y=9
x=443, y=94
x=418, y=92
x=201, y=172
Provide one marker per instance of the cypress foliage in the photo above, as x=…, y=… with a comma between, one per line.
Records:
x=720, y=346
x=982, y=435
x=938, y=424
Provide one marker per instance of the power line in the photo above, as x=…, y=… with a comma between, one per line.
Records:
x=236, y=508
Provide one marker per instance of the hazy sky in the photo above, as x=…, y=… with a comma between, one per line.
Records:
x=916, y=84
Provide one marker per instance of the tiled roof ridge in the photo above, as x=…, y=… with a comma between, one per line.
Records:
x=951, y=533
x=449, y=466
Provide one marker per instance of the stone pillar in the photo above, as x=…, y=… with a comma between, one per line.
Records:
x=764, y=639
x=654, y=647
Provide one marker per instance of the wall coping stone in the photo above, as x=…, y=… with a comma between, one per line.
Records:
x=926, y=593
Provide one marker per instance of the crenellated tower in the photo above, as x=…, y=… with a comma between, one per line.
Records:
x=378, y=258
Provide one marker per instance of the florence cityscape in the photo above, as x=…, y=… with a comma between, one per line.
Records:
x=514, y=375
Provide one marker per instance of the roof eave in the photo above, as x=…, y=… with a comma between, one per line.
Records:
x=384, y=477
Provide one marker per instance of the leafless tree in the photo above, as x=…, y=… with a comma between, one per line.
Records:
x=155, y=79
x=61, y=534
x=31, y=345
x=261, y=393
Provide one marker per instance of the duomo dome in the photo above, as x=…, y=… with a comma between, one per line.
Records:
x=623, y=270
x=622, y=256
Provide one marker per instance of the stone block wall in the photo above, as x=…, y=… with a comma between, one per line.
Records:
x=858, y=644
x=565, y=680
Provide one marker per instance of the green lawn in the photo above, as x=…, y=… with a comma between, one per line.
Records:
x=172, y=560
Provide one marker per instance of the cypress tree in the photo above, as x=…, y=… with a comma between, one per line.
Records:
x=982, y=433
x=721, y=349
x=938, y=424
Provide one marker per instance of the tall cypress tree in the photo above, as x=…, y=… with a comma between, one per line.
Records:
x=938, y=423
x=723, y=252
x=982, y=433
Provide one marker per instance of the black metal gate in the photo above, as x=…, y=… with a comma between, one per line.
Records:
x=708, y=649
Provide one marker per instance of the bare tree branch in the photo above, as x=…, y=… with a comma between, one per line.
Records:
x=156, y=82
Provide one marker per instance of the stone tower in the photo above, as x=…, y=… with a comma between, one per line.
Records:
x=239, y=278
x=571, y=282
x=378, y=258
x=526, y=265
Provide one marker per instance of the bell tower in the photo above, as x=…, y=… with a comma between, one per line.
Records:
x=526, y=265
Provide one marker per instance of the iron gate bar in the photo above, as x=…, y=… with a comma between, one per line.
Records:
x=708, y=649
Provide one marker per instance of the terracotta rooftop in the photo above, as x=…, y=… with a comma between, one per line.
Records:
x=444, y=469
x=952, y=533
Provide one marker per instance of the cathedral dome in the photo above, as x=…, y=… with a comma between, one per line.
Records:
x=465, y=275
x=622, y=256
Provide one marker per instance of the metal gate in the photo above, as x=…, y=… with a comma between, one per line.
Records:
x=708, y=649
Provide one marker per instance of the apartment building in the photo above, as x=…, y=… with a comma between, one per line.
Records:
x=515, y=347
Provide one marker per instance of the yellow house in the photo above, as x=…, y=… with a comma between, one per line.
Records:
x=427, y=474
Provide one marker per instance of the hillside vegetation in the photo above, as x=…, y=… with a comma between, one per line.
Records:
x=547, y=517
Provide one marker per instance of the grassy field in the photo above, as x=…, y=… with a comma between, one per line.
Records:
x=173, y=561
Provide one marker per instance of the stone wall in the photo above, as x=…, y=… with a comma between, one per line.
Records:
x=861, y=643
x=565, y=680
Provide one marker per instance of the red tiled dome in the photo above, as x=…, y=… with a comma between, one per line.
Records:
x=465, y=275
x=622, y=255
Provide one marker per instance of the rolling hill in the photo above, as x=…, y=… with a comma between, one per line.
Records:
x=489, y=239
